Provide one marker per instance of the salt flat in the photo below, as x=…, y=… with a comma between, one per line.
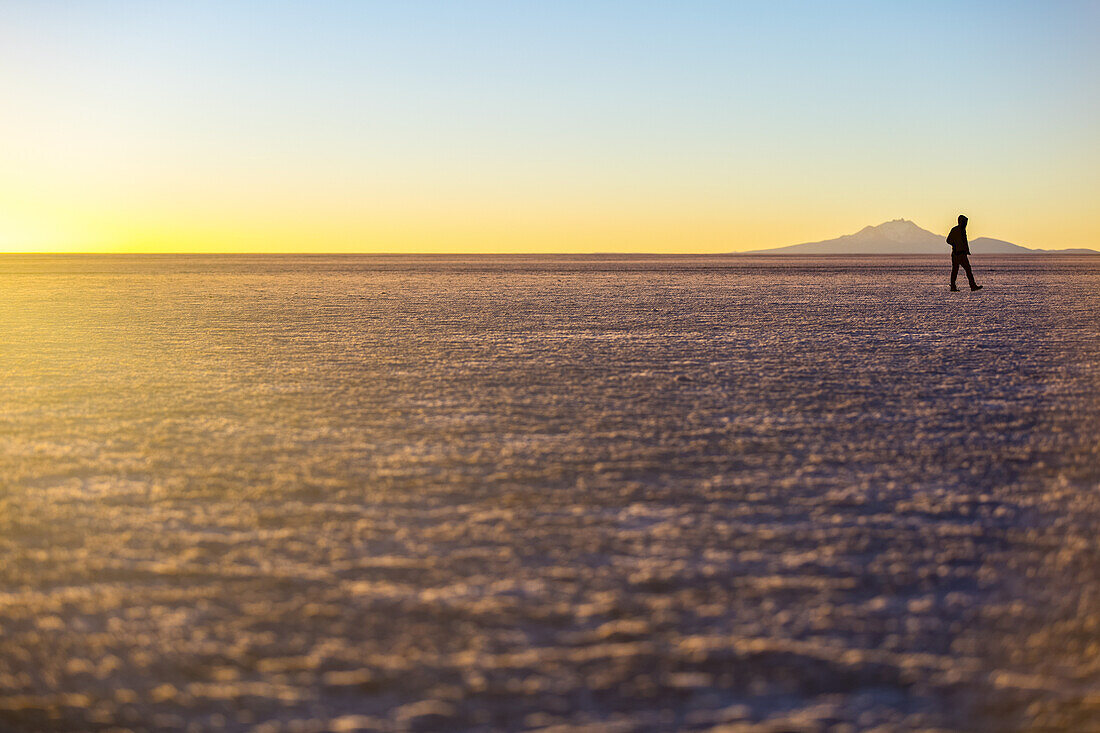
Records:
x=511, y=493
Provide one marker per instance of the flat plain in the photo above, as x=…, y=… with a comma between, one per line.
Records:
x=567, y=493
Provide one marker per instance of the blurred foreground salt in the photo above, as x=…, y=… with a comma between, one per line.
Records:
x=370, y=493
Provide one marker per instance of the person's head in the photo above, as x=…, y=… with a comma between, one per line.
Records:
x=962, y=220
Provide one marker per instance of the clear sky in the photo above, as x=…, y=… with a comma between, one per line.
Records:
x=478, y=126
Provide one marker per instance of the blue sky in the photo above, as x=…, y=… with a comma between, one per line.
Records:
x=569, y=126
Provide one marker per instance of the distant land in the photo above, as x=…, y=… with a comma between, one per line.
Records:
x=903, y=237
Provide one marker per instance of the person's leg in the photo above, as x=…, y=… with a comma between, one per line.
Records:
x=969, y=272
x=954, y=270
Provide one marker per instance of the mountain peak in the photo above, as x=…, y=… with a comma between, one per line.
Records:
x=898, y=224
x=896, y=230
x=892, y=225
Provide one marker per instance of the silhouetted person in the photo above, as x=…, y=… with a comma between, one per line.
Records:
x=960, y=251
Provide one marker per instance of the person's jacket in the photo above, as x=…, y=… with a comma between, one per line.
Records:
x=957, y=240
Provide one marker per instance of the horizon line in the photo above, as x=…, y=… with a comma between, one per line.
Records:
x=767, y=252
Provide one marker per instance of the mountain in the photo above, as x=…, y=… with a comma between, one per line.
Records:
x=903, y=237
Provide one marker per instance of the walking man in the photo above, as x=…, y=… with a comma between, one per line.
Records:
x=960, y=251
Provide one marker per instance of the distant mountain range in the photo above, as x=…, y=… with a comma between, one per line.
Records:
x=903, y=237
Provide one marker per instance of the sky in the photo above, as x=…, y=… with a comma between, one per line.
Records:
x=477, y=126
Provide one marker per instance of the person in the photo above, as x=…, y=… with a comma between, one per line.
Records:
x=960, y=251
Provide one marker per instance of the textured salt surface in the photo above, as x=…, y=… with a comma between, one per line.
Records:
x=303, y=494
